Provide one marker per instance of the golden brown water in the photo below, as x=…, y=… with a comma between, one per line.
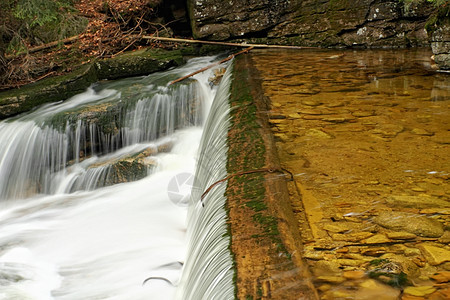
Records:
x=367, y=135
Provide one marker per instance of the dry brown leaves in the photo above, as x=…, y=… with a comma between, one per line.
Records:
x=114, y=26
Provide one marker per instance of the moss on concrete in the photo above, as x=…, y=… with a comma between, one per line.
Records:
x=257, y=220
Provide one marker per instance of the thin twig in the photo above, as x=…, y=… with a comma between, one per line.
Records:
x=210, y=66
x=166, y=39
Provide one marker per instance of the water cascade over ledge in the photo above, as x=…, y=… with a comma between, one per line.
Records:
x=87, y=210
x=208, y=271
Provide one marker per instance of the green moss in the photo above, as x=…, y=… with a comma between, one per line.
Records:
x=53, y=89
x=59, y=88
x=441, y=17
x=250, y=188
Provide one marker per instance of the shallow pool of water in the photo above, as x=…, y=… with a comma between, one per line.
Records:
x=366, y=135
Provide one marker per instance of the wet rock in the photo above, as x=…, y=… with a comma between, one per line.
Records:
x=374, y=251
x=416, y=201
x=311, y=102
x=353, y=275
x=350, y=262
x=391, y=264
x=363, y=113
x=294, y=116
x=377, y=239
x=412, y=252
x=335, y=104
x=445, y=238
x=59, y=88
x=324, y=287
x=310, y=253
x=217, y=76
x=314, y=112
x=442, y=138
x=419, y=291
x=446, y=266
x=324, y=268
x=317, y=133
x=276, y=104
x=401, y=235
x=439, y=211
x=372, y=289
x=441, y=277
x=409, y=222
x=351, y=237
x=388, y=130
x=398, y=249
x=340, y=294
x=434, y=255
x=330, y=279
x=337, y=119
x=420, y=131
x=137, y=63
x=338, y=227
x=443, y=294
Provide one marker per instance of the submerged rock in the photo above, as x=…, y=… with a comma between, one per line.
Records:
x=434, y=255
x=409, y=222
x=372, y=289
x=129, y=168
x=419, y=291
x=416, y=201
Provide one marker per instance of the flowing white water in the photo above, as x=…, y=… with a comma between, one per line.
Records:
x=208, y=273
x=63, y=237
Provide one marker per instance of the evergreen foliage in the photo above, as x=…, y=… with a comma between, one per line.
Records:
x=33, y=22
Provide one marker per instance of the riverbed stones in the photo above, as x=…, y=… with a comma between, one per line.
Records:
x=311, y=102
x=421, y=131
x=325, y=267
x=317, y=133
x=372, y=289
x=377, y=239
x=424, y=201
x=410, y=222
x=330, y=279
x=419, y=291
x=434, y=255
x=441, y=277
x=353, y=275
x=401, y=235
x=388, y=130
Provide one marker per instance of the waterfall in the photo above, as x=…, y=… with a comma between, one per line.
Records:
x=208, y=271
x=72, y=228
x=37, y=147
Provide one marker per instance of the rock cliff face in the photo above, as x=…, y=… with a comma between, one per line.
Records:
x=333, y=23
x=440, y=44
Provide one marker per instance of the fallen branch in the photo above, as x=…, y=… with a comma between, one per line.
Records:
x=46, y=46
x=166, y=39
x=210, y=66
x=262, y=170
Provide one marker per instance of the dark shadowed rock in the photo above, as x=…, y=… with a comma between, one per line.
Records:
x=310, y=22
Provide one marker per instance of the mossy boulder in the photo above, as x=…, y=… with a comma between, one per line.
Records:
x=14, y=102
x=137, y=63
x=130, y=167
